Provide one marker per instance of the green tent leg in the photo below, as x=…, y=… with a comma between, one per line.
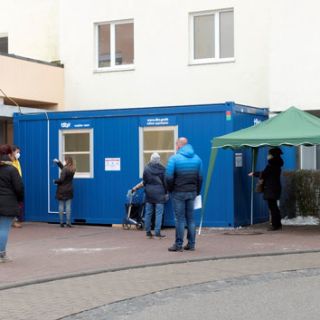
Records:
x=253, y=168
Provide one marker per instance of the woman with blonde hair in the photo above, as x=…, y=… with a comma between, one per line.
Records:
x=64, y=192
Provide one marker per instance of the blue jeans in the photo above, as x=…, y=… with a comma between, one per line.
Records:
x=183, y=203
x=150, y=207
x=5, y=226
x=67, y=204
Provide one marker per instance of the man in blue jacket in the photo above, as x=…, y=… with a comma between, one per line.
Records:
x=184, y=180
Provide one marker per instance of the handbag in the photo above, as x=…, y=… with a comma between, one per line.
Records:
x=259, y=186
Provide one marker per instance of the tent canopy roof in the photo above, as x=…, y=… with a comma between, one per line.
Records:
x=292, y=127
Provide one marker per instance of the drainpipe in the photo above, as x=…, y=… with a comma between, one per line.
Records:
x=48, y=164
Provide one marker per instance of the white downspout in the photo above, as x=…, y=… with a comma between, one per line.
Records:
x=48, y=164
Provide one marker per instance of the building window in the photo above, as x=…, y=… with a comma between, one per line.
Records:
x=115, y=45
x=157, y=139
x=310, y=158
x=78, y=144
x=212, y=36
x=4, y=45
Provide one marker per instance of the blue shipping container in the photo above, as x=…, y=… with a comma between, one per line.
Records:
x=118, y=145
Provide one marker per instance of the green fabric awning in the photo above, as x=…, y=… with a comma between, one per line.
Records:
x=292, y=127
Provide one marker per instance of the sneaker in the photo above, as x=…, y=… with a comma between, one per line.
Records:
x=17, y=224
x=187, y=247
x=149, y=234
x=175, y=248
x=61, y=225
x=5, y=259
x=69, y=225
x=159, y=236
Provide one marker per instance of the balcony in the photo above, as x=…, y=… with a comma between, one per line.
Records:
x=30, y=83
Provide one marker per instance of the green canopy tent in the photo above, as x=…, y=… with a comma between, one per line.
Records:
x=292, y=127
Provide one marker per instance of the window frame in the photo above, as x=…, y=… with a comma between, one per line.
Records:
x=5, y=35
x=217, y=59
x=303, y=159
x=113, y=66
x=62, y=133
x=141, y=142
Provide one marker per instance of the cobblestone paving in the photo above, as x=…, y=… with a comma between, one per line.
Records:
x=58, y=299
x=135, y=307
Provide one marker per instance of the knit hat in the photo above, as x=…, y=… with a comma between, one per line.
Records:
x=275, y=152
x=155, y=158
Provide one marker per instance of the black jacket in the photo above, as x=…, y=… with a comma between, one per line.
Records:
x=65, y=185
x=11, y=189
x=271, y=179
x=154, y=183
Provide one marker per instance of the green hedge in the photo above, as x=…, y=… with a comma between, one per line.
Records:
x=300, y=193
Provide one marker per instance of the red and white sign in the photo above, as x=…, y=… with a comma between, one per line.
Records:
x=112, y=164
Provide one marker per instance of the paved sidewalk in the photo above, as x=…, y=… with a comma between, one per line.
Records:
x=59, y=299
x=43, y=251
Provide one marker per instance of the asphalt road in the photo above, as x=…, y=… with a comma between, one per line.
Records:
x=290, y=295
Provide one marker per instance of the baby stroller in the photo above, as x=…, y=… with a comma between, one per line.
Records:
x=134, y=210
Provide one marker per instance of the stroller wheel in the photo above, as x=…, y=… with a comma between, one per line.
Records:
x=126, y=226
x=139, y=226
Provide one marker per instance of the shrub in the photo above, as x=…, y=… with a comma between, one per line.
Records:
x=300, y=193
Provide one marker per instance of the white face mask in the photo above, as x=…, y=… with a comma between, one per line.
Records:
x=17, y=156
x=64, y=162
x=269, y=156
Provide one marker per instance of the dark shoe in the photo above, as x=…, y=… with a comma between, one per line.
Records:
x=175, y=248
x=159, y=236
x=69, y=225
x=61, y=225
x=187, y=247
x=274, y=228
x=149, y=234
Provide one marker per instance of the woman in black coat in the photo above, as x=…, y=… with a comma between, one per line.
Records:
x=156, y=194
x=64, y=192
x=272, y=185
x=11, y=193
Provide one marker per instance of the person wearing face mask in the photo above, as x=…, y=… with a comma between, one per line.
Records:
x=64, y=192
x=11, y=193
x=272, y=185
x=17, y=223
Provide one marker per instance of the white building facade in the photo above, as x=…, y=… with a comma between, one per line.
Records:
x=143, y=53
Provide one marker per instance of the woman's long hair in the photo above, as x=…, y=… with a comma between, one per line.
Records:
x=69, y=164
x=5, y=151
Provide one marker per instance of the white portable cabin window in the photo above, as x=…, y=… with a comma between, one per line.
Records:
x=310, y=158
x=78, y=144
x=4, y=43
x=212, y=36
x=115, y=45
x=157, y=139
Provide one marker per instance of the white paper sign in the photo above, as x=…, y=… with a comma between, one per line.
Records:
x=112, y=164
x=238, y=160
x=197, y=202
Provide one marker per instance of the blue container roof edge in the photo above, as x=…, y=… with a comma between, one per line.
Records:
x=142, y=111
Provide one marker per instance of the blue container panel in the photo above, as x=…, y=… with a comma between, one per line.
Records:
x=242, y=183
x=200, y=130
x=32, y=140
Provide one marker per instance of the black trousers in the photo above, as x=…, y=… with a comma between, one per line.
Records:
x=275, y=213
